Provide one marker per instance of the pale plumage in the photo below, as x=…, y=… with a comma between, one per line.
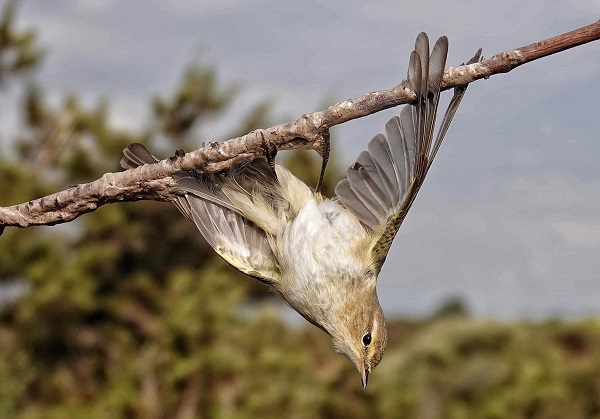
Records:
x=323, y=255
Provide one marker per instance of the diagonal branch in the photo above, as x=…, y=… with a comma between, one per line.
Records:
x=310, y=131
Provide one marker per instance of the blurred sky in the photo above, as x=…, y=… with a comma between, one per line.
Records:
x=509, y=217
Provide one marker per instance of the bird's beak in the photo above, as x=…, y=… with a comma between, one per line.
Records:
x=364, y=377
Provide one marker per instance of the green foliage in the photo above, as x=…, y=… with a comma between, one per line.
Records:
x=453, y=306
x=18, y=50
x=129, y=313
x=197, y=98
x=462, y=368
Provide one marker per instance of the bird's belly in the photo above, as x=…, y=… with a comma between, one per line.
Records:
x=320, y=258
x=321, y=242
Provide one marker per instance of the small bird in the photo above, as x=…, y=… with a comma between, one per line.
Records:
x=323, y=255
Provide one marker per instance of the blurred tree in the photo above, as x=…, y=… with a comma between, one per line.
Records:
x=18, y=49
x=464, y=368
x=451, y=307
x=198, y=98
x=128, y=313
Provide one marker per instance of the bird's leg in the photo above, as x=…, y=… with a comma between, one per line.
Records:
x=324, y=152
x=270, y=151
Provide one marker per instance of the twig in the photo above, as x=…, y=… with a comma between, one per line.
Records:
x=155, y=181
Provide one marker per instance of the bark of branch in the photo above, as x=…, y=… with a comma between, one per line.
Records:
x=311, y=131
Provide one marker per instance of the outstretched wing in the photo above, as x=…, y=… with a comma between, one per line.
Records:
x=237, y=240
x=381, y=186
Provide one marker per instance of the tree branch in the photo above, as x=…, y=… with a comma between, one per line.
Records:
x=310, y=131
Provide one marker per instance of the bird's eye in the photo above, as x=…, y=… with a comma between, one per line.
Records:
x=366, y=339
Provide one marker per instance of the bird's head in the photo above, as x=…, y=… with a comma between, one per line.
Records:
x=358, y=330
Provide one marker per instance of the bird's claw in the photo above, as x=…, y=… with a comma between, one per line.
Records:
x=324, y=152
x=270, y=151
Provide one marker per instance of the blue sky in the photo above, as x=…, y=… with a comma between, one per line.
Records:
x=509, y=217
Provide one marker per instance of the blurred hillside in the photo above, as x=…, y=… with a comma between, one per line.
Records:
x=127, y=312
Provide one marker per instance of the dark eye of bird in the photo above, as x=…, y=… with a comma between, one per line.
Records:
x=366, y=339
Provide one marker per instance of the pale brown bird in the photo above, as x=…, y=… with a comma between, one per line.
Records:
x=323, y=255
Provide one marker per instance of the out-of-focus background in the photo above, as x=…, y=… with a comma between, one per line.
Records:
x=490, y=290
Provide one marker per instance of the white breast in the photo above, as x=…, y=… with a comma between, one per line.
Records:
x=318, y=245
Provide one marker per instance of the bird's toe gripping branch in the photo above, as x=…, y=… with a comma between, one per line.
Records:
x=324, y=150
x=270, y=151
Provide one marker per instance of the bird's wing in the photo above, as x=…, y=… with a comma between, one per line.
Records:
x=382, y=184
x=237, y=240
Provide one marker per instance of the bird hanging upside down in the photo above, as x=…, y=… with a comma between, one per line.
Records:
x=323, y=255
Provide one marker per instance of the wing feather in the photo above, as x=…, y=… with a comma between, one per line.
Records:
x=381, y=186
x=381, y=155
x=236, y=239
x=347, y=194
x=383, y=194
